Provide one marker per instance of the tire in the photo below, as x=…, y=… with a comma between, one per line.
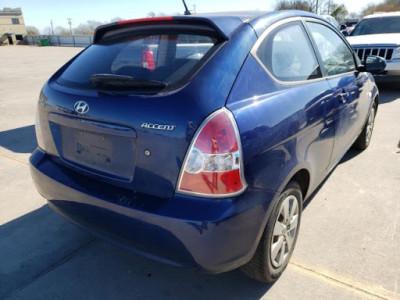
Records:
x=276, y=247
x=364, y=138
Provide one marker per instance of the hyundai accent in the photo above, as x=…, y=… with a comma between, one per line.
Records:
x=195, y=140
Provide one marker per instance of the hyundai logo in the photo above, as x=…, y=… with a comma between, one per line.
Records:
x=81, y=107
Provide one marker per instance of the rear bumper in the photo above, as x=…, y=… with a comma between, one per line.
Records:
x=209, y=235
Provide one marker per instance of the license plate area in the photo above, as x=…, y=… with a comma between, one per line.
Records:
x=104, y=149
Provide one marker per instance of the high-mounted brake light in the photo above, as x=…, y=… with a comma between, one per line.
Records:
x=213, y=165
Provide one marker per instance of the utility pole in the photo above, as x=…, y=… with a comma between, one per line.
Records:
x=70, y=24
x=194, y=8
x=52, y=29
x=316, y=7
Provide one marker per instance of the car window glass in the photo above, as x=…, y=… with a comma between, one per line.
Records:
x=287, y=53
x=166, y=57
x=377, y=26
x=337, y=58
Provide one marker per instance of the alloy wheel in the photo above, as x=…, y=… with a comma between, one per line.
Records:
x=284, y=231
x=370, y=125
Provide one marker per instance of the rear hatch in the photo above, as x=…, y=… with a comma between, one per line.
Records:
x=126, y=108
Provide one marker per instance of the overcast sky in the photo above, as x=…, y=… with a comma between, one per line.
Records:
x=39, y=12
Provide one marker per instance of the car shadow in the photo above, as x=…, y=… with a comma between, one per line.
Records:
x=19, y=140
x=388, y=93
x=43, y=256
x=351, y=153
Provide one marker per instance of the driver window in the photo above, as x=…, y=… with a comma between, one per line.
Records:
x=337, y=58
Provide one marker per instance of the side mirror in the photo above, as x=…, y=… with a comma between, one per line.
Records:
x=375, y=64
x=343, y=27
x=345, y=32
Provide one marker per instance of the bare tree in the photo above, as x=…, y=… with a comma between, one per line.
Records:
x=322, y=7
x=315, y=6
x=93, y=24
x=116, y=19
x=152, y=14
x=339, y=12
x=293, y=4
x=353, y=15
x=32, y=30
x=46, y=30
x=87, y=28
x=386, y=6
x=60, y=30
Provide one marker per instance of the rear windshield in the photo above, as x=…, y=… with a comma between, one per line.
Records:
x=377, y=26
x=167, y=58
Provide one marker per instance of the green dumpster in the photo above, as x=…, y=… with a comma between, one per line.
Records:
x=43, y=42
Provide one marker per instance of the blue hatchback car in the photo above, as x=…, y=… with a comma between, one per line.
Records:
x=194, y=140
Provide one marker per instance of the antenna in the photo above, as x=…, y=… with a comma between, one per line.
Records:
x=187, y=12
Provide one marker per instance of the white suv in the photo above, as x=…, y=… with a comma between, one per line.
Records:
x=379, y=35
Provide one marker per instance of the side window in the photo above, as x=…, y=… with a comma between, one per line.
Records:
x=288, y=54
x=192, y=46
x=337, y=58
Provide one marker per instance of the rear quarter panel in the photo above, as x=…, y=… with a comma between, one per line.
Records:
x=283, y=128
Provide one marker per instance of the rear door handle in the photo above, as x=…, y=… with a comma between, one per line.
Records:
x=343, y=97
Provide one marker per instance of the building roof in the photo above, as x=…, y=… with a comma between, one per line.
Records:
x=11, y=11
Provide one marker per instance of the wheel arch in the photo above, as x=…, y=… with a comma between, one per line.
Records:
x=302, y=175
x=376, y=102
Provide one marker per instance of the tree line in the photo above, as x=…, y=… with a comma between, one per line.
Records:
x=322, y=7
x=385, y=6
x=338, y=11
x=86, y=28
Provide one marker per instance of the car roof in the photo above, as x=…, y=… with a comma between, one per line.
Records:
x=383, y=15
x=259, y=20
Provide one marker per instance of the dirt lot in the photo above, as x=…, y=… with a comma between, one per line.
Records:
x=348, y=247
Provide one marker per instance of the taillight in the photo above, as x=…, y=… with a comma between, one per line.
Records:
x=148, y=58
x=213, y=165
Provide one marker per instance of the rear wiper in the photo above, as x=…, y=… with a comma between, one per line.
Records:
x=114, y=81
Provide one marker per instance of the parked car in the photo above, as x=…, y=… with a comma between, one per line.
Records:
x=202, y=159
x=347, y=27
x=379, y=35
x=331, y=20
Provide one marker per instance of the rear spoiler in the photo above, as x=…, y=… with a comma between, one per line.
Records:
x=224, y=27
